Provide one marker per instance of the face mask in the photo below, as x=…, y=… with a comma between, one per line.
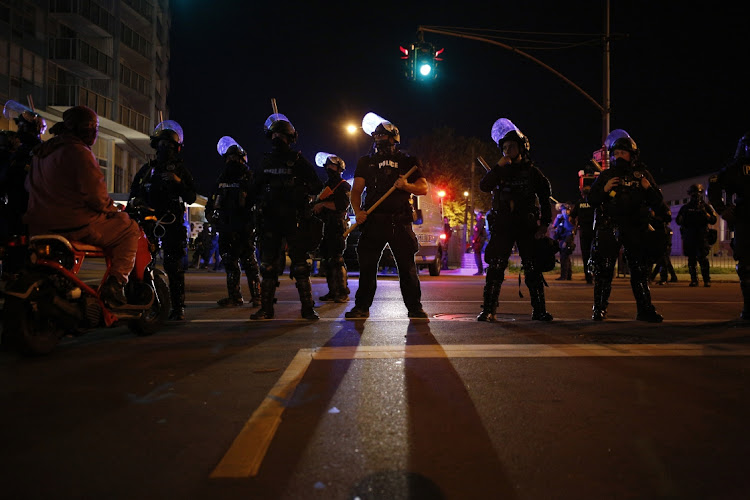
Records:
x=165, y=153
x=622, y=163
x=280, y=144
x=333, y=174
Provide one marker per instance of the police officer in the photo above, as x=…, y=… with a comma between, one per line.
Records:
x=583, y=216
x=566, y=240
x=30, y=126
x=166, y=186
x=8, y=146
x=520, y=214
x=285, y=183
x=331, y=206
x=390, y=222
x=694, y=218
x=663, y=265
x=729, y=193
x=231, y=208
x=478, y=240
x=623, y=196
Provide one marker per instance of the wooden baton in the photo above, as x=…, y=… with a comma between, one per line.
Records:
x=381, y=200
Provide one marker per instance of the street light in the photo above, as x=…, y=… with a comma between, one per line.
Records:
x=466, y=218
x=441, y=194
x=351, y=129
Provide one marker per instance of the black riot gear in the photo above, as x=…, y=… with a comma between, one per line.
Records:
x=743, y=147
x=694, y=218
x=623, y=197
x=389, y=129
x=520, y=211
x=284, y=184
x=16, y=163
x=166, y=186
x=331, y=207
x=283, y=127
x=168, y=135
x=231, y=211
x=729, y=194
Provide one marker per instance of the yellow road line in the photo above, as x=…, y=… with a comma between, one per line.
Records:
x=245, y=455
x=249, y=447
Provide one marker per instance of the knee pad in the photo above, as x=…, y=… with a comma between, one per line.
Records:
x=300, y=270
x=496, y=270
x=268, y=271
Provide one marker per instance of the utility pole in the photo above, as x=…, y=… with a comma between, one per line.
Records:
x=606, y=68
x=603, y=107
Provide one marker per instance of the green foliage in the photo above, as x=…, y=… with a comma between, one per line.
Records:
x=447, y=162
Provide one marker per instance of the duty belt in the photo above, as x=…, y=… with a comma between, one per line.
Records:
x=391, y=218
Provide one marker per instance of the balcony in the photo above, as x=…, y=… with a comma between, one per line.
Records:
x=135, y=81
x=75, y=95
x=85, y=16
x=142, y=7
x=137, y=43
x=135, y=120
x=80, y=58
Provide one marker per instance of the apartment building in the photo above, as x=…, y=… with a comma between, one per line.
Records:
x=109, y=55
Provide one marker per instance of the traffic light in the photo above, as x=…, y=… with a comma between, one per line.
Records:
x=420, y=61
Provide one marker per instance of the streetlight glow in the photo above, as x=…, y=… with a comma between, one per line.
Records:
x=351, y=129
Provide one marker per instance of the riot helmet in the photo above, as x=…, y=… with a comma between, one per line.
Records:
x=168, y=133
x=280, y=124
x=743, y=147
x=374, y=124
x=28, y=122
x=227, y=147
x=620, y=139
x=695, y=190
x=504, y=130
x=324, y=160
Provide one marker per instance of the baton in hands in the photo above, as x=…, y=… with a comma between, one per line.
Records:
x=381, y=200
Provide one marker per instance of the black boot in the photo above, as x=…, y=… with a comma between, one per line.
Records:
x=489, y=305
x=177, y=291
x=267, y=299
x=331, y=295
x=305, y=297
x=745, y=287
x=233, y=287
x=693, y=275
x=646, y=310
x=602, y=290
x=706, y=274
x=340, y=284
x=254, y=285
x=536, y=292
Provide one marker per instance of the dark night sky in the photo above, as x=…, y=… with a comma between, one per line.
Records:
x=679, y=80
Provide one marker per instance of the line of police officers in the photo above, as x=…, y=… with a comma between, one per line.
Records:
x=280, y=205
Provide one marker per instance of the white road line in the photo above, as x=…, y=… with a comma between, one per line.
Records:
x=479, y=301
x=245, y=455
x=520, y=317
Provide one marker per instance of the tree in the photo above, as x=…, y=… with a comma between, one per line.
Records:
x=447, y=163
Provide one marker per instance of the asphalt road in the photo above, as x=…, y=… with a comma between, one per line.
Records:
x=220, y=407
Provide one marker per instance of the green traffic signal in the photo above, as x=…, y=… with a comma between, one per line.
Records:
x=420, y=61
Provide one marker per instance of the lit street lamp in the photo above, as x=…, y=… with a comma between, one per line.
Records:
x=466, y=219
x=441, y=194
